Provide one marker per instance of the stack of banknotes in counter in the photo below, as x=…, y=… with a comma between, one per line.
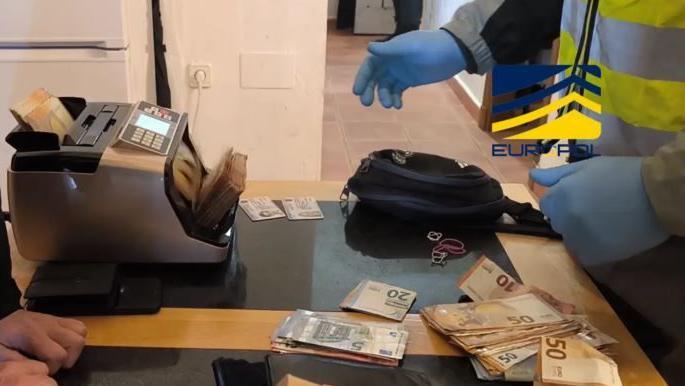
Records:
x=42, y=111
x=502, y=329
x=212, y=195
x=307, y=332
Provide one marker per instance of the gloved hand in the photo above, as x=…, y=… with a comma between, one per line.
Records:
x=411, y=59
x=601, y=208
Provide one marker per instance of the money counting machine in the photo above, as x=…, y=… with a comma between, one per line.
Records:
x=106, y=193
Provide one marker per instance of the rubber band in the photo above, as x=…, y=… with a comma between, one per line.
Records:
x=434, y=236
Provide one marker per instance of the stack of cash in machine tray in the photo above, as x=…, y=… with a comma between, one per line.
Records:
x=503, y=329
x=212, y=195
x=307, y=332
x=41, y=111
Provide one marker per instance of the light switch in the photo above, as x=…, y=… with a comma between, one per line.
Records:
x=267, y=70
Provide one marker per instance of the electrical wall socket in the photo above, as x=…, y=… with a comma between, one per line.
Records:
x=193, y=68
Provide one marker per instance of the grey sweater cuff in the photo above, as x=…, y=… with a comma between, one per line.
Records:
x=465, y=27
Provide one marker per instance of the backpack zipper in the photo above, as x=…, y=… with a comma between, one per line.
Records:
x=390, y=168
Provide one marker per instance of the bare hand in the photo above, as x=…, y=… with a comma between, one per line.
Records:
x=25, y=372
x=57, y=342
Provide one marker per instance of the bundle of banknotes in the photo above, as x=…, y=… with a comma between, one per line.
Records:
x=574, y=362
x=307, y=332
x=214, y=194
x=376, y=298
x=41, y=111
x=503, y=327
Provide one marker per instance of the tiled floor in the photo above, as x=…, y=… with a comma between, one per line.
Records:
x=432, y=120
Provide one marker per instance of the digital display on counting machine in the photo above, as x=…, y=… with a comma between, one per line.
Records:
x=153, y=124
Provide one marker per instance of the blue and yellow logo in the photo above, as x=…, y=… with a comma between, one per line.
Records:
x=573, y=124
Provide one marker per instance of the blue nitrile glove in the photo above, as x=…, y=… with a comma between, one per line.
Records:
x=407, y=60
x=601, y=208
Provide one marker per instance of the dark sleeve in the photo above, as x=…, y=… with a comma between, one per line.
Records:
x=9, y=293
x=504, y=31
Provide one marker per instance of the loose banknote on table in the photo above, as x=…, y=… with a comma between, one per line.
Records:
x=307, y=332
x=503, y=328
x=574, y=362
x=302, y=208
x=380, y=299
x=261, y=208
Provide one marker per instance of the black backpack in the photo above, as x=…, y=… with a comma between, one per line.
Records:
x=427, y=187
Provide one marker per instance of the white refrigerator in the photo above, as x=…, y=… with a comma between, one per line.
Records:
x=99, y=50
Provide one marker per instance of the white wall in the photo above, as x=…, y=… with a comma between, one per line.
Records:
x=279, y=128
x=437, y=13
x=333, y=9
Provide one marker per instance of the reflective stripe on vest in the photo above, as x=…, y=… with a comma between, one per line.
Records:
x=643, y=77
x=656, y=13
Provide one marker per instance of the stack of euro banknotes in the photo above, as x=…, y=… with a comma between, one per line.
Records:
x=307, y=332
x=505, y=326
x=42, y=111
x=213, y=194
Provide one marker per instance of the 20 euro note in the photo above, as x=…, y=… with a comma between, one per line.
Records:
x=302, y=208
x=574, y=362
x=380, y=299
x=261, y=208
x=362, y=338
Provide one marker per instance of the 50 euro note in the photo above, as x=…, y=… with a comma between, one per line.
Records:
x=485, y=280
x=521, y=372
x=521, y=311
x=574, y=362
x=510, y=359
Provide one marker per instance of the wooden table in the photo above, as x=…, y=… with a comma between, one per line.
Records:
x=540, y=262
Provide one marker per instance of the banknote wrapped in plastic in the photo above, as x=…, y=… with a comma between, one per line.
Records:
x=306, y=332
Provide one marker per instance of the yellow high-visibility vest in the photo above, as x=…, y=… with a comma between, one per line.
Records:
x=640, y=47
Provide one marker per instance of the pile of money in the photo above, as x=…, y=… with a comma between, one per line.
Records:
x=221, y=189
x=212, y=195
x=380, y=299
x=574, y=362
x=503, y=328
x=41, y=111
x=306, y=332
x=187, y=170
